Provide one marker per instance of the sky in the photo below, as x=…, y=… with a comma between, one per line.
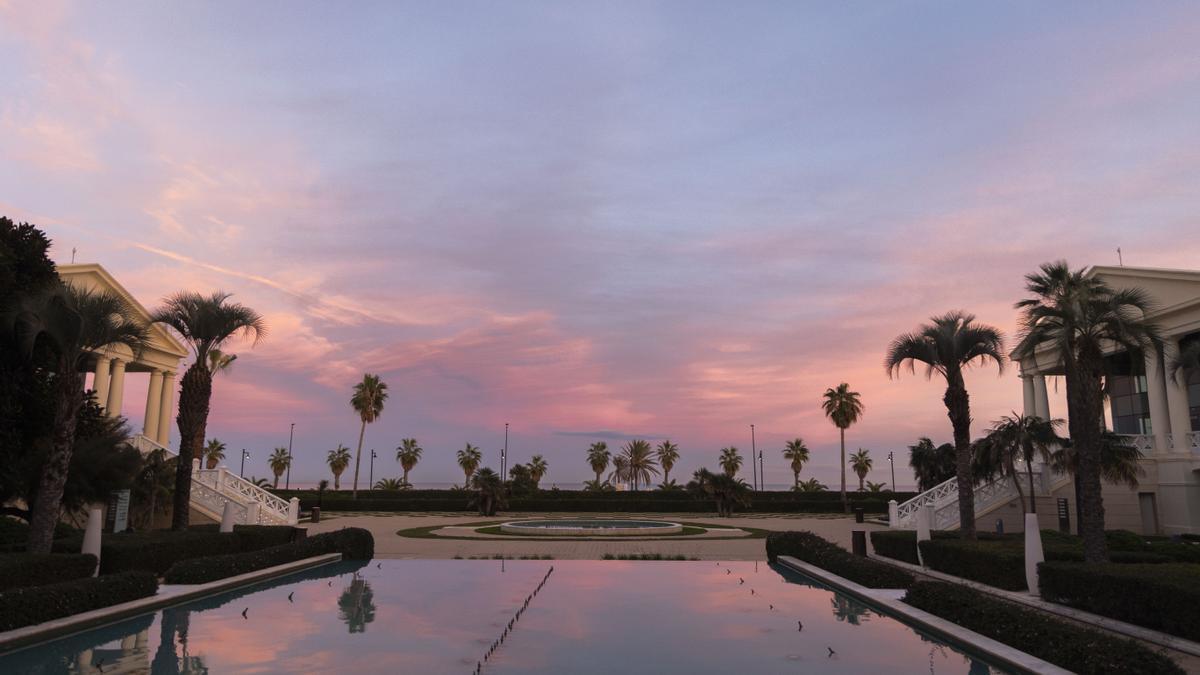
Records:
x=598, y=220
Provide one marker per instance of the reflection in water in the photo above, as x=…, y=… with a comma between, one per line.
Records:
x=438, y=616
x=357, y=605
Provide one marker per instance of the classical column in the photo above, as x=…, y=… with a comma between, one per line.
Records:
x=1030, y=397
x=116, y=390
x=1041, y=398
x=1156, y=394
x=1177, y=400
x=100, y=381
x=166, y=410
x=153, y=403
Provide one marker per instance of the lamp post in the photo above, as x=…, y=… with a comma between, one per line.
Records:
x=504, y=454
x=371, y=475
x=242, y=471
x=753, y=470
x=762, y=473
x=287, y=485
x=892, y=463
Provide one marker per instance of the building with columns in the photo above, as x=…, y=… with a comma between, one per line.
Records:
x=1158, y=411
x=159, y=362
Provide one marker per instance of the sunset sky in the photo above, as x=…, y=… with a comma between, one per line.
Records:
x=603, y=220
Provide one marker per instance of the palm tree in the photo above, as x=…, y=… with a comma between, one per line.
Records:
x=356, y=605
x=537, y=469
x=1118, y=460
x=730, y=461
x=279, y=462
x=219, y=361
x=205, y=323
x=598, y=486
x=1077, y=316
x=469, y=459
x=338, y=459
x=875, y=487
x=322, y=486
x=598, y=458
x=408, y=454
x=620, y=471
x=668, y=454
x=639, y=462
x=948, y=346
x=724, y=489
x=1188, y=360
x=797, y=453
x=843, y=407
x=214, y=453
x=489, y=491
x=861, y=463
x=1016, y=438
x=931, y=465
x=390, y=484
x=368, y=399
x=260, y=482
x=66, y=324
x=810, y=485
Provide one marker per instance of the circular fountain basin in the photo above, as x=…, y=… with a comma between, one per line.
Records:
x=591, y=527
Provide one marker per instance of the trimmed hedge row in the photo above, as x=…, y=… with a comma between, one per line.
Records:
x=18, y=570
x=1162, y=597
x=14, y=534
x=814, y=550
x=309, y=497
x=353, y=543
x=1066, y=645
x=28, y=606
x=157, y=550
x=545, y=501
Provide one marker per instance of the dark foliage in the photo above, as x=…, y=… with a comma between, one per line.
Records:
x=14, y=534
x=18, y=570
x=353, y=543
x=814, y=550
x=1066, y=645
x=28, y=606
x=1162, y=597
x=157, y=550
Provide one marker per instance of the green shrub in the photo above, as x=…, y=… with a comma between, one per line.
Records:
x=986, y=562
x=814, y=550
x=1164, y=597
x=27, y=606
x=14, y=534
x=156, y=550
x=353, y=543
x=1069, y=646
x=19, y=570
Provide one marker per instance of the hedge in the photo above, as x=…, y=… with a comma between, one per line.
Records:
x=14, y=534
x=1069, y=646
x=814, y=550
x=985, y=562
x=353, y=543
x=156, y=550
x=1162, y=597
x=18, y=570
x=546, y=501
x=27, y=606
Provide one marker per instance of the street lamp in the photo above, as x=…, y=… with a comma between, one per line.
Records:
x=242, y=471
x=753, y=470
x=371, y=475
x=893, y=465
x=291, y=434
x=762, y=472
x=504, y=454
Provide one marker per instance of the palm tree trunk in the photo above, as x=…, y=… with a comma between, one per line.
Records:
x=1087, y=452
x=845, y=502
x=958, y=407
x=405, y=475
x=1016, y=479
x=1029, y=472
x=337, y=480
x=796, y=475
x=195, y=393
x=276, y=484
x=53, y=479
x=357, y=456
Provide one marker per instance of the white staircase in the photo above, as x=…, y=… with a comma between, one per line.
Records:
x=213, y=488
x=943, y=498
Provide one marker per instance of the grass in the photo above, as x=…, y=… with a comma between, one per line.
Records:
x=492, y=529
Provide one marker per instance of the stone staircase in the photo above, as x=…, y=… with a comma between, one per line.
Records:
x=212, y=489
x=943, y=499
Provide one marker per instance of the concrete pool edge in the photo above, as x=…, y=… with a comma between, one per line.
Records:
x=888, y=600
x=176, y=594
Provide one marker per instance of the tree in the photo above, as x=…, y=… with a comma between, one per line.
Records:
x=1188, y=360
x=338, y=459
x=260, y=482
x=948, y=346
x=520, y=481
x=537, y=469
x=668, y=454
x=810, y=485
x=368, y=399
x=639, y=462
x=150, y=493
x=214, y=453
x=725, y=490
x=730, y=461
x=796, y=452
x=468, y=460
x=1077, y=316
x=219, y=361
x=489, y=491
x=598, y=486
x=1118, y=460
x=204, y=323
x=391, y=484
x=875, y=487
x=1016, y=438
x=356, y=605
x=57, y=328
x=861, y=463
x=598, y=458
x=408, y=454
x=932, y=465
x=279, y=461
x=843, y=407
x=322, y=486
x=620, y=472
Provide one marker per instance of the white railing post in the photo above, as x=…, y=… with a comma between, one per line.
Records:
x=252, y=513
x=91, y=536
x=293, y=511
x=227, y=517
x=924, y=519
x=893, y=513
x=195, y=466
x=1033, y=552
x=221, y=479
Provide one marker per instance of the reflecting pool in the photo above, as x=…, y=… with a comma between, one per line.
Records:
x=443, y=616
